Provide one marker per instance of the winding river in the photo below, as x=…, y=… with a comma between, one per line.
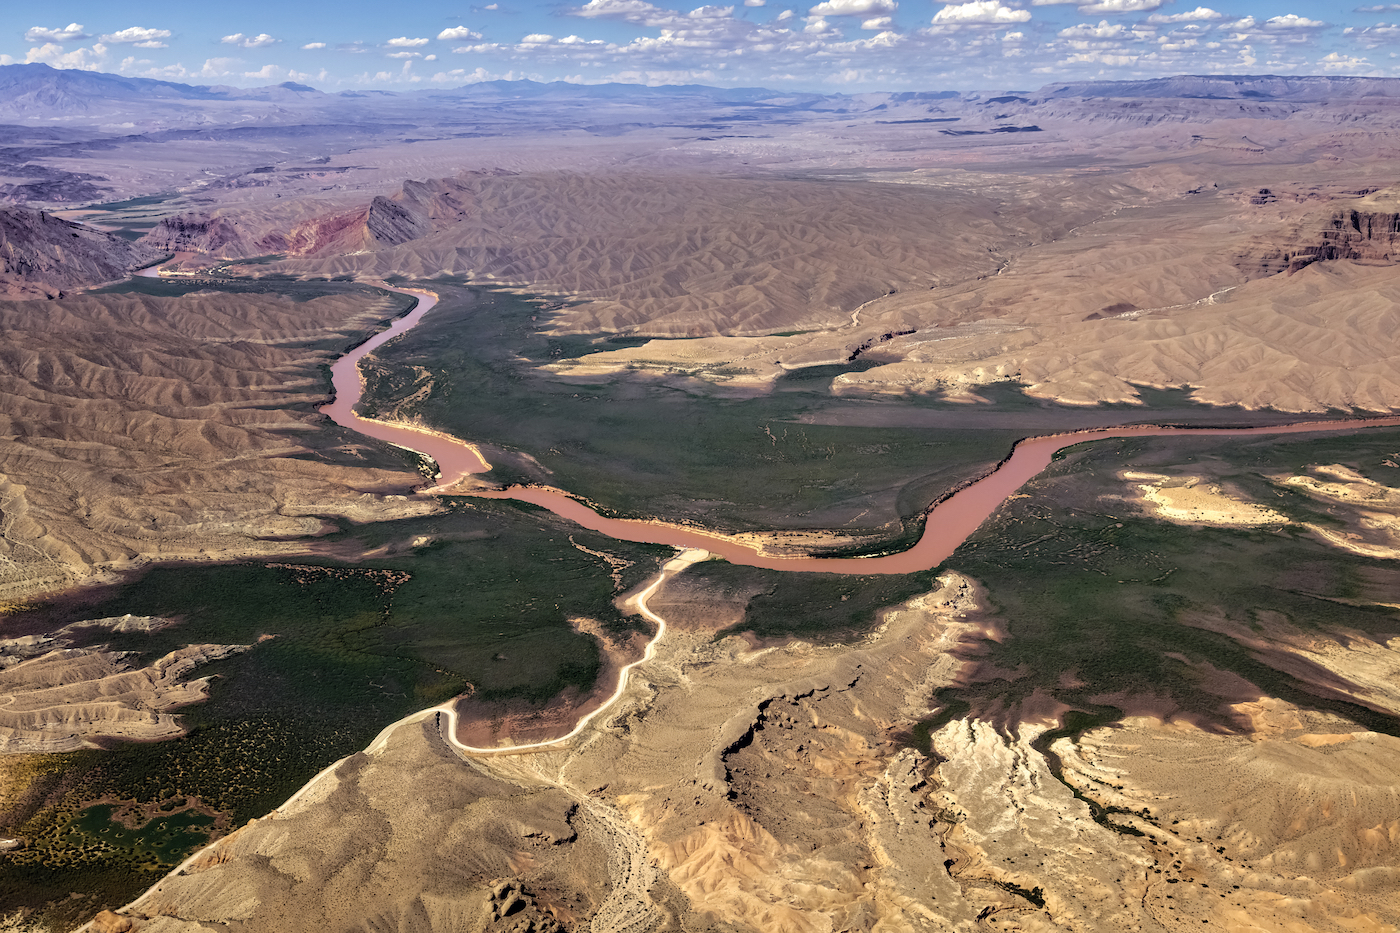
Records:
x=948, y=524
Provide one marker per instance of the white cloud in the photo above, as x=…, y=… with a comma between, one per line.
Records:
x=1380, y=8
x=314, y=45
x=979, y=13
x=1104, y=30
x=73, y=32
x=1120, y=6
x=537, y=38
x=217, y=68
x=659, y=77
x=458, y=33
x=492, y=6
x=138, y=36
x=404, y=42
x=853, y=7
x=405, y=55
x=1199, y=14
x=1053, y=2
x=1337, y=62
x=248, y=42
x=1292, y=21
x=755, y=2
x=878, y=22
x=1373, y=36
x=265, y=73
x=82, y=59
x=630, y=10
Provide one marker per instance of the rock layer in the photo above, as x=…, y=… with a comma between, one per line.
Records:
x=42, y=255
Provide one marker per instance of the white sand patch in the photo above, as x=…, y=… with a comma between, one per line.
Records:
x=1190, y=500
x=1375, y=530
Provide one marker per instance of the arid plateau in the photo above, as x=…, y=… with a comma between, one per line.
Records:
x=589, y=605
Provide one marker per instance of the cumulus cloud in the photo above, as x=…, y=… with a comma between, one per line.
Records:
x=1120, y=6
x=138, y=36
x=755, y=2
x=1372, y=36
x=878, y=22
x=265, y=73
x=1198, y=15
x=314, y=45
x=404, y=42
x=1293, y=21
x=55, y=56
x=458, y=33
x=1104, y=30
x=73, y=32
x=405, y=55
x=979, y=13
x=248, y=42
x=217, y=68
x=1337, y=62
x=537, y=38
x=631, y=10
x=853, y=7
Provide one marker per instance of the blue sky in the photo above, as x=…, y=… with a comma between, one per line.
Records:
x=822, y=45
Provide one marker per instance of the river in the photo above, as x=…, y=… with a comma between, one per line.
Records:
x=949, y=523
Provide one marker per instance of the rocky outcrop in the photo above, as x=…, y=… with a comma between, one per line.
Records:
x=1360, y=235
x=195, y=233
x=70, y=697
x=42, y=255
x=385, y=222
x=390, y=223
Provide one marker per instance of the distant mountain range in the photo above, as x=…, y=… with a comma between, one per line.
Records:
x=1230, y=87
x=30, y=91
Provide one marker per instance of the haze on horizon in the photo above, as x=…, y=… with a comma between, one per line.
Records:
x=833, y=45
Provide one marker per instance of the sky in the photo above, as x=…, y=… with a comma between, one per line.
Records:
x=831, y=46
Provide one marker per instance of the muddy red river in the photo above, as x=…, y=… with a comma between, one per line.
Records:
x=948, y=524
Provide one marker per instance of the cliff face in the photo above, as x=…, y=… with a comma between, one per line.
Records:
x=191, y=233
x=1355, y=235
x=1347, y=233
x=386, y=221
x=41, y=255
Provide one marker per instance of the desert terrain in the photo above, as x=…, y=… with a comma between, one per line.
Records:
x=1154, y=690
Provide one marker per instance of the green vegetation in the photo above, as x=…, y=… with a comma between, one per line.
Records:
x=161, y=839
x=823, y=606
x=476, y=598
x=179, y=287
x=150, y=200
x=1101, y=601
x=642, y=447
